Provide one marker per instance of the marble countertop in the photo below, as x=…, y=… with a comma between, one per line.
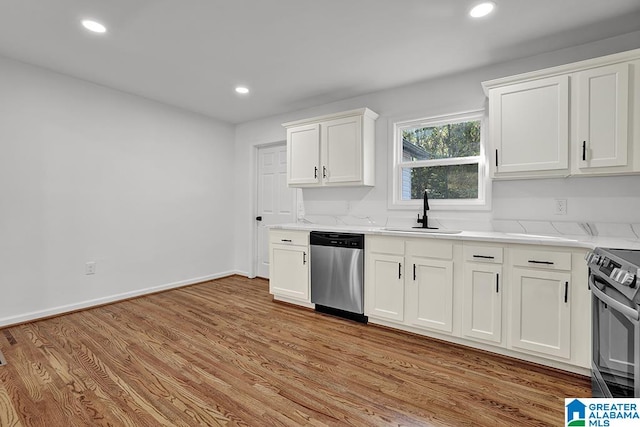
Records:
x=587, y=242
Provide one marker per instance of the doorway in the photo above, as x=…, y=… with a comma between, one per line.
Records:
x=276, y=203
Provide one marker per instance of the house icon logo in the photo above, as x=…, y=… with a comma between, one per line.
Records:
x=575, y=411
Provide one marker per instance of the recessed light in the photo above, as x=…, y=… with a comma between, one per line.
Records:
x=482, y=9
x=94, y=26
x=242, y=90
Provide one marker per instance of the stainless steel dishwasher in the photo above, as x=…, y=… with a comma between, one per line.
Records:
x=337, y=274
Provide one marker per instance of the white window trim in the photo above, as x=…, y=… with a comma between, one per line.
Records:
x=482, y=203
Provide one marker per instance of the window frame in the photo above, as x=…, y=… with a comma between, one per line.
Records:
x=483, y=202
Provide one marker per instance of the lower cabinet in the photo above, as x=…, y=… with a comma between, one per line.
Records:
x=541, y=312
x=384, y=278
x=510, y=299
x=384, y=295
x=429, y=294
x=482, y=302
x=289, y=265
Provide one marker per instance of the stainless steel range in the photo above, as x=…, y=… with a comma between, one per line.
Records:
x=613, y=280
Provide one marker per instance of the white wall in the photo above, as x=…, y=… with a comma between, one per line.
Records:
x=449, y=94
x=93, y=174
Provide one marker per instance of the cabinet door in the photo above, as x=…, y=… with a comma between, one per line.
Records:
x=342, y=150
x=384, y=287
x=430, y=294
x=603, y=116
x=530, y=125
x=289, y=272
x=303, y=155
x=482, y=302
x=541, y=312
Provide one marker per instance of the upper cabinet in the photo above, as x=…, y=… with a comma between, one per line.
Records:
x=529, y=125
x=576, y=119
x=602, y=122
x=332, y=150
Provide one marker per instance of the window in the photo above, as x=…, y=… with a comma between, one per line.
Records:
x=445, y=156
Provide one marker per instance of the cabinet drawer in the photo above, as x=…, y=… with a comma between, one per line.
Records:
x=289, y=237
x=384, y=245
x=541, y=259
x=430, y=248
x=489, y=254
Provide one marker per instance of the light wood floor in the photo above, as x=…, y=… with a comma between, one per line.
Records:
x=223, y=353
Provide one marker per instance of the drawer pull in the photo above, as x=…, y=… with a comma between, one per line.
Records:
x=484, y=257
x=533, y=261
x=285, y=240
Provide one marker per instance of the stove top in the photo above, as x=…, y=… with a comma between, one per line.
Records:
x=631, y=257
x=618, y=268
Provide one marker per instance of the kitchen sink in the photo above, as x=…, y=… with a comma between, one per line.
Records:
x=423, y=230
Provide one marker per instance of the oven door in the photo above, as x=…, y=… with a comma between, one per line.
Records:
x=615, y=340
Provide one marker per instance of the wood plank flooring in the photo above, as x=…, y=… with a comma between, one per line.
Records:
x=223, y=353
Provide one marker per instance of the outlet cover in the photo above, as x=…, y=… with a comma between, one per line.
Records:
x=90, y=267
x=560, y=207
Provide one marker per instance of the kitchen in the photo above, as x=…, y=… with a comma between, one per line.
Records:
x=123, y=224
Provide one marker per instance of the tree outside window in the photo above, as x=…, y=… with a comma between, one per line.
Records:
x=441, y=155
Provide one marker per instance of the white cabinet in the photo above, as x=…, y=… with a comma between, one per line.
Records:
x=541, y=302
x=529, y=125
x=429, y=285
x=575, y=119
x=385, y=293
x=384, y=278
x=483, y=290
x=602, y=100
x=332, y=150
x=303, y=145
x=289, y=265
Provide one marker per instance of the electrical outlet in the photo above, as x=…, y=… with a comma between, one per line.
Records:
x=560, y=207
x=90, y=267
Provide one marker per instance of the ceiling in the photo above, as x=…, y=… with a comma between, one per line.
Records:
x=292, y=54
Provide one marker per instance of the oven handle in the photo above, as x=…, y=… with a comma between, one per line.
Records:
x=627, y=311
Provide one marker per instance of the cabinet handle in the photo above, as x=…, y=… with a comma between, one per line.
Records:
x=533, y=261
x=584, y=151
x=483, y=256
x=324, y=171
x=285, y=240
x=566, y=292
x=497, y=283
x=315, y=172
x=414, y=272
x=304, y=258
x=399, y=270
x=496, y=158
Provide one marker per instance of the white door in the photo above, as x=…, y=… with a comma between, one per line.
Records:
x=603, y=112
x=541, y=312
x=429, y=294
x=482, y=302
x=276, y=202
x=342, y=150
x=384, y=295
x=530, y=125
x=304, y=155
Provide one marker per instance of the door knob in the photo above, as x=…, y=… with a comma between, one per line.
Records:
x=258, y=218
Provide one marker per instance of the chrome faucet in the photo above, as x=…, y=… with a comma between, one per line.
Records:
x=425, y=207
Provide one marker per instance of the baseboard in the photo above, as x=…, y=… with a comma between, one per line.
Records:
x=55, y=311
